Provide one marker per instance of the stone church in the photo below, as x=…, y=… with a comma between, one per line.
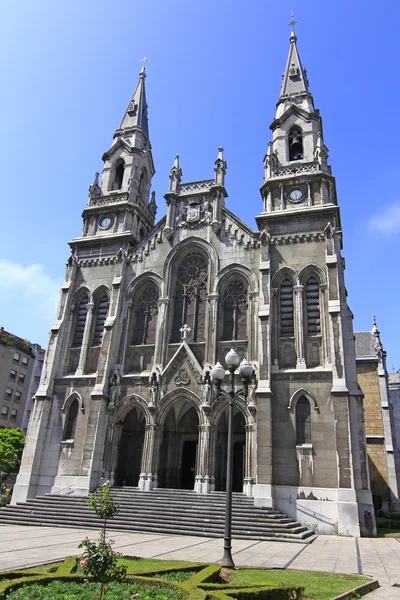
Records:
x=148, y=308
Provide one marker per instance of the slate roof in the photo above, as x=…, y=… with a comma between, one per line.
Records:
x=365, y=344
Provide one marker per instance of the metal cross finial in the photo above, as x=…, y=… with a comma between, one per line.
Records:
x=144, y=60
x=292, y=22
x=185, y=329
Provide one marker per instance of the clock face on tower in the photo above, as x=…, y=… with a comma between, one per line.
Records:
x=296, y=195
x=105, y=222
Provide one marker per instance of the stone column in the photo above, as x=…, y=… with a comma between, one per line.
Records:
x=202, y=481
x=146, y=475
x=298, y=292
x=85, y=341
x=126, y=334
x=211, y=349
x=325, y=360
x=275, y=329
x=248, y=468
x=116, y=443
x=162, y=331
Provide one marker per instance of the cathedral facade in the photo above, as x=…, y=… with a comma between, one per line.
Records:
x=148, y=308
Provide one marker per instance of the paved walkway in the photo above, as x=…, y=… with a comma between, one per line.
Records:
x=23, y=546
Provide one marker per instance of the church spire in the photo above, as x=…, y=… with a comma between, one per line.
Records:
x=136, y=114
x=294, y=80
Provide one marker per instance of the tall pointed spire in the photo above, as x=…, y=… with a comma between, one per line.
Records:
x=136, y=113
x=294, y=80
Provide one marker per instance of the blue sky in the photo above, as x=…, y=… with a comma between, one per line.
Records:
x=69, y=69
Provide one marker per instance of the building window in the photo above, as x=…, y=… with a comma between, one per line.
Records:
x=190, y=298
x=25, y=361
x=16, y=356
x=21, y=379
x=235, y=311
x=296, y=144
x=71, y=420
x=80, y=322
x=102, y=311
x=12, y=375
x=17, y=397
x=303, y=421
x=13, y=414
x=145, y=316
x=4, y=412
x=286, y=309
x=313, y=311
x=119, y=175
x=8, y=392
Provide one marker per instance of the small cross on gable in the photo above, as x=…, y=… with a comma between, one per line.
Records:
x=185, y=329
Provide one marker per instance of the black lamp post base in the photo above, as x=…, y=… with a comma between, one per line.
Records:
x=227, y=560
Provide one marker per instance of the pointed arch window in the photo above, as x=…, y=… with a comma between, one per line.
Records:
x=286, y=308
x=313, y=307
x=235, y=311
x=80, y=322
x=145, y=316
x=296, y=151
x=190, y=298
x=303, y=421
x=119, y=175
x=102, y=311
x=72, y=418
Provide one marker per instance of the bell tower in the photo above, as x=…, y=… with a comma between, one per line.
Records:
x=308, y=357
x=120, y=206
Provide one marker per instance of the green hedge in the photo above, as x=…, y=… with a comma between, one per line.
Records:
x=203, y=585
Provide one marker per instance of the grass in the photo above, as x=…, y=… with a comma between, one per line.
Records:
x=319, y=586
x=70, y=590
x=384, y=530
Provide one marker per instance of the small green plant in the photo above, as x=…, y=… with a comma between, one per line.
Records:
x=5, y=495
x=99, y=561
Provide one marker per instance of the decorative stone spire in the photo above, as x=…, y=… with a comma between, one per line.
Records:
x=378, y=344
x=175, y=175
x=152, y=204
x=136, y=113
x=294, y=80
x=321, y=152
x=220, y=167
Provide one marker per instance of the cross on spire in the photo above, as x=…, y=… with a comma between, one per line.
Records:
x=292, y=22
x=144, y=61
x=185, y=329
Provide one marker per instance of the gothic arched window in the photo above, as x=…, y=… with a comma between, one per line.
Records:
x=142, y=185
x=303, y=421
x=102, y=311
x=312, y=307
x=80, y=321
x=296, y=151
x=145, y=316
x=235, y=311
x=119, y=175
x=190, y=298
x=286, y=309
x=72, y=417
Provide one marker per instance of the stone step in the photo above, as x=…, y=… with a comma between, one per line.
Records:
x=170, y=512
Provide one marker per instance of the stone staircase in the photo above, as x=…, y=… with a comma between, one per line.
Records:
x=171, y=512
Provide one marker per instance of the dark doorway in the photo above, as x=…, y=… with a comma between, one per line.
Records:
x=179, y=447
x=238, y=466
x=188, y=470
x=239, y=448
x=131, y=449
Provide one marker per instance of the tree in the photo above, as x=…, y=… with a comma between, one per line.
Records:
x=11, y=447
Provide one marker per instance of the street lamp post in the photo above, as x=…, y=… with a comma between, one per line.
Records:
x=246, y=371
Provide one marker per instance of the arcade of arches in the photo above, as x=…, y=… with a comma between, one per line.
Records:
x=181, y=452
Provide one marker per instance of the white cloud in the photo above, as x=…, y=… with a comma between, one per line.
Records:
x=32, y=284
x=388, y=221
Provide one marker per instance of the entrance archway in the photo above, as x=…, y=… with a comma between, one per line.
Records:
x=131, y=448
x=239, y=449
x=178, y=458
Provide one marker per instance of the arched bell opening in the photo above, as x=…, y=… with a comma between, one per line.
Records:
x=239, y=451
x=131, y=448
x=178, y=456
